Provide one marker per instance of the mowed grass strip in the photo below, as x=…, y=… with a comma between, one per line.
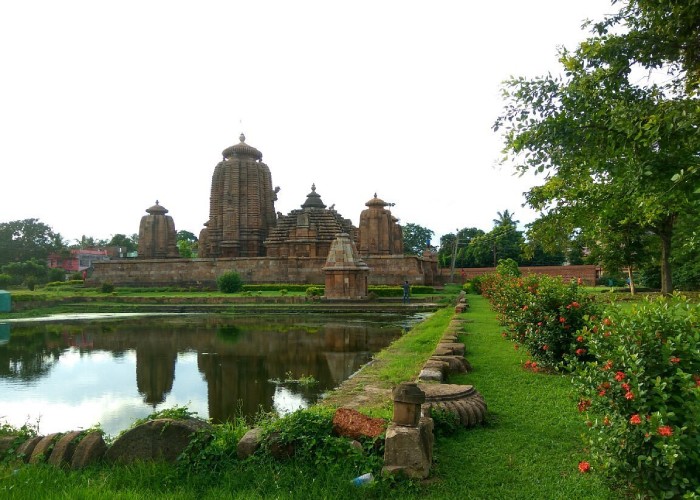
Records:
x=531, y=444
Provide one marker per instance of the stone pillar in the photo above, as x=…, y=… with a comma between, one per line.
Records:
x=409, y=440
x=346, y=274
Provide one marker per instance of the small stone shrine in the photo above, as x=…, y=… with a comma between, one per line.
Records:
x=346, y=274
x=157, y=236
x=309, y=231
x=379, y=232
x=241, y=205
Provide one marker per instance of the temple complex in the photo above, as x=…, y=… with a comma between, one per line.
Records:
x=243, y=233
x=309, y=231
x=241, y=205
x=380, y=232
x=157, y=236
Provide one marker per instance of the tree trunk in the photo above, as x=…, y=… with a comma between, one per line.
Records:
x=665, y=232
x=630, y=279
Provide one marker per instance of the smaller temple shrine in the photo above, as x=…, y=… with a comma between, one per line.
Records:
x=380, y=232
x=309, y=231
x=346, y=274
x=157, y=236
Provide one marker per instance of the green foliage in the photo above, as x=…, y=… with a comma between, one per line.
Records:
x=57, y=274
x=127, y=243
x=507, y=267
x=446, y=423
x=23, y=240
x=5, y=280
x=640, y=392
x=77, y=276
x=542, y=314
x=21, y=271
x=276, y=287
x=619, y=152
x=314, y=291
x=107, y=287
x=310, y=434
x=415, y=238
x=229, y=282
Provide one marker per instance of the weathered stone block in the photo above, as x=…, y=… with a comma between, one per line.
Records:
x=90, y=450
x=62, y=452
x=43, y=448
x=249, y=443
x=24, y=451
x=409, y=450
x=161, y=439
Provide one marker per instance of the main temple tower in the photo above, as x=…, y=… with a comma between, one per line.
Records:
x=241, y=205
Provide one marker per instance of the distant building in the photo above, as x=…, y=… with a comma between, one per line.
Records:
x=78, y=260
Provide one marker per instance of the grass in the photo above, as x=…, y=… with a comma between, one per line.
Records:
x=529, y=447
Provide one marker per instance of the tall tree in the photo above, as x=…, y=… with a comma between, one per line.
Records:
x=416, y=238
x=619, y=152
x=23, y=240
x=124, y=241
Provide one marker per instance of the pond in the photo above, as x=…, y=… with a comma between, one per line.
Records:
x=72, y=373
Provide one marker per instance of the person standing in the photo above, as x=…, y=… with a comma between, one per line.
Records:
x=406, y=292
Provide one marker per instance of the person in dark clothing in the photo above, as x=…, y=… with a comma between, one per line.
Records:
x=406, y=292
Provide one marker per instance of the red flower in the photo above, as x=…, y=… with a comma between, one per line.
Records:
x=562, y=319
x=584, y=467
x=635, y=420
x=629, y=395
x=626, y=387
x=580, y=352
x=606, y=420
x=579, y=338
x=545, y=347
x=665, y=430
x=525, y=308
x=620, y=376
x=583, y=405
x=601, y=392
x=607, y=322
x=608, y=364
x=528, y=363
x=675, y=360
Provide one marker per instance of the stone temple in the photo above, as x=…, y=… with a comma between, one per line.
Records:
x=243, y=233
x=241, y=205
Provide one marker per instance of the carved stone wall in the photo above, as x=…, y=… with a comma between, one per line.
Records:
x=385, y=270
x=346, y=273
x=379, y=232
x=157, y=235
x=309, y=231
x=241, y=205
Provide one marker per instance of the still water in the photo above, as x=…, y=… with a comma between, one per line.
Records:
x=76, y=373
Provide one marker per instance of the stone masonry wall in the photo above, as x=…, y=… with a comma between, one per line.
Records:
x=384, y=270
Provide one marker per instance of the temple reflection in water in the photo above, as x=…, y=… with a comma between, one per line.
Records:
x=236, y=360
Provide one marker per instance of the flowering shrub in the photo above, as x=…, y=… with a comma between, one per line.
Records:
x=541, y=313
x=641, y=395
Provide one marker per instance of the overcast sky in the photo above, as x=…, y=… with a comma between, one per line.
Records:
x=106, y=107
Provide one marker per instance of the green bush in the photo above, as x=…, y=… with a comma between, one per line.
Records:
x=5, y=280
x=107, y=287
x=229, y=282
x=641, y=395
x=541, y=313
x=57, y=274
x=76, y=277
x=314, y=291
